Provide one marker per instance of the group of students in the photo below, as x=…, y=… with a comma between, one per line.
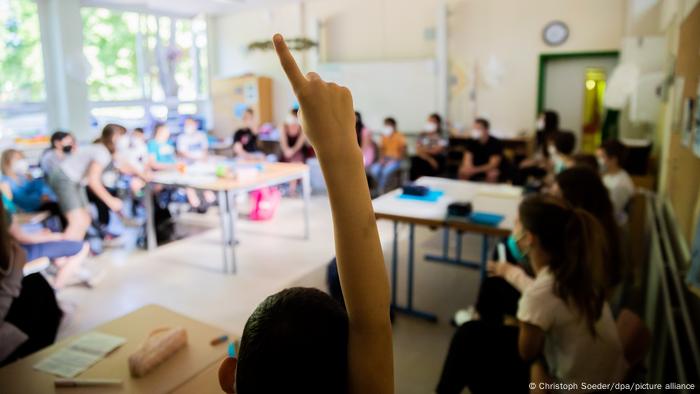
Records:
x=567, y=265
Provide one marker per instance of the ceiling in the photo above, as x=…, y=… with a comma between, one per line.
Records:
x=186, y=7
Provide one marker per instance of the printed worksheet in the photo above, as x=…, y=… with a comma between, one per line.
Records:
x=79, y=355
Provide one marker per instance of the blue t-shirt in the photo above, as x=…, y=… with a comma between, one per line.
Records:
x=27, y=193
x=162, y=151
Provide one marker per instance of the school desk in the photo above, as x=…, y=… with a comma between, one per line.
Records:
x=252, y=176
x=496, y=199
x=187, y=364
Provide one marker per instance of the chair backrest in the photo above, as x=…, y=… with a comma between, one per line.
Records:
x=634, y=335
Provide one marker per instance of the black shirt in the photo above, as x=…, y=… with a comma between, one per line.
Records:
x=247, y=138
x=481, y=153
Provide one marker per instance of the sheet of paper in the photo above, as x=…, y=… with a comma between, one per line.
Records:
x=79, y=355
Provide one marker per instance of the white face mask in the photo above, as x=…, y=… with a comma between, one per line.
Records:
x=189, y=129
x=430, y=127
x=539, y=125
x=601, y=164
x=291, y=120
x=387, y=130
x=476, y=134
x=20, y=167
x=551, y=150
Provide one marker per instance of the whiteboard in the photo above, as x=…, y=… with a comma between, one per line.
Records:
x=404, y=89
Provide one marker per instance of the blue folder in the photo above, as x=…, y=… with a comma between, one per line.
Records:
x=485, y=218
x=432, y=196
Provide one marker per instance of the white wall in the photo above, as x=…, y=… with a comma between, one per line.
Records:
x=508, y=31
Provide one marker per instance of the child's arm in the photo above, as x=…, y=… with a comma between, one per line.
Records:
x=328, y=120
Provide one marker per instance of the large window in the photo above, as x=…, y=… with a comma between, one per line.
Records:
x=22, y=92
x=150, y=61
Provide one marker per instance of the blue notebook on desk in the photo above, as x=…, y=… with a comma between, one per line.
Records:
x=486, y=218
x=432, y=196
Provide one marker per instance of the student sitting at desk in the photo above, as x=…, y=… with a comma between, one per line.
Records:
x=392, y=152
x=192, y=144
x=431, y=147
x=62, y=144
x=566, y=331
x=364, y=139
x=331, y=350
x=611, y=156
x=537, y=166
x=483, y=157
x=561, y=150
x=29, y=313
x=85, y=166
x=245, y=139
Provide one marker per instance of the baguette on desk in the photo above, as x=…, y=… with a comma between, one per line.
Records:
x=160, y=345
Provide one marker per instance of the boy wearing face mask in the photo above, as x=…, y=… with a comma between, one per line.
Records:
x=392, y=151
x=61, y=146
x=561, y=151
x=611, y=156
x=482, y=160
x=192, y=144
x=245, y=139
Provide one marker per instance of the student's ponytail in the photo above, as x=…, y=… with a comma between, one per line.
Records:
x=573, y=240
x=579, y=275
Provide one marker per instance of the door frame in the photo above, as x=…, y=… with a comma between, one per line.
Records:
x=545, y=57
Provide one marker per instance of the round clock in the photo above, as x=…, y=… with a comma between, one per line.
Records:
x=555, y=33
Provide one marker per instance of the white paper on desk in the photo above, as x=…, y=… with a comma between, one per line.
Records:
x=79, y=355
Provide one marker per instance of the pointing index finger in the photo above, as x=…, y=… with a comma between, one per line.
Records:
x=296, y=78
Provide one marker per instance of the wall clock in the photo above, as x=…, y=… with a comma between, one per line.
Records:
x=555, y=33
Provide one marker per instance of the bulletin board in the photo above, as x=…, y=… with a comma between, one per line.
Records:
x=683, y=169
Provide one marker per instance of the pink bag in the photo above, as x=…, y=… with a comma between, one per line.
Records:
x=265, y=202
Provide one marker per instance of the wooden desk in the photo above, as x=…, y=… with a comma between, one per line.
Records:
x=500, y=199
x=187, y=364
x=204, y=178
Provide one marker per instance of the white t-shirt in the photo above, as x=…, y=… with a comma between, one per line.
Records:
x=621, y=190
x=194, y=145
x=75, y=166
x=573, y=355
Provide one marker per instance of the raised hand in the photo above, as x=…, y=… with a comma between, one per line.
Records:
x=326, y=109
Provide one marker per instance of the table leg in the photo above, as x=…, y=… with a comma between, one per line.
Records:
x=151, y=240
x=446, y=259
x=233, y=215
x=394, y=263
x=306, y=190
x=409, y=308
x=225, y=216
x=484, y=255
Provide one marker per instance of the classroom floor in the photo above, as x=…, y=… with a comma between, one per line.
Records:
x=186, y=276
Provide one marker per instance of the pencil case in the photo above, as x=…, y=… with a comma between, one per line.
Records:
x=160, y=345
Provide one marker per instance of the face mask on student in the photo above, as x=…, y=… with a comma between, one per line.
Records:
x=67, y=149
x=387, y=130
x=430, y=127
x=515, y=250
x=291, y=120
x=551, y=150
x=539, y=124
x=601, y=165
x=20, y=167
x=559, y=164
x=476, y=134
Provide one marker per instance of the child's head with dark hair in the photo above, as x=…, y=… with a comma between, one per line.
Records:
x=565, y=142
x=612, y=155
x=485, y=124
x=57, y=137
x=551, y=121
x=295, y=341
x=389, y=121
x=586, y=160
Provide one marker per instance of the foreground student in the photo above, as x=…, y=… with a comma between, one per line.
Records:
x=300, y=340
x=566, y=332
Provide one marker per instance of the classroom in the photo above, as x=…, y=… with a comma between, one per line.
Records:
x=358, y=196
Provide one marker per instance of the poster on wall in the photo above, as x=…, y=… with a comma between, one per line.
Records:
x=696, y=123
x=688, y=125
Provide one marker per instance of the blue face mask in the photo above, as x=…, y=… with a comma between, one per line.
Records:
x=514, y=249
